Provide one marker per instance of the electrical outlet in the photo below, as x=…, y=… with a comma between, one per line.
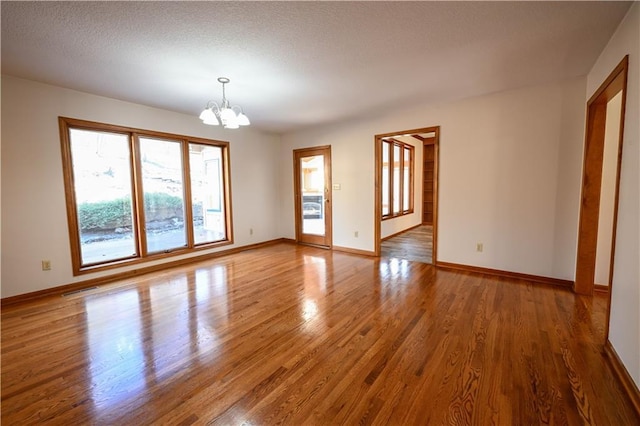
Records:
x=46, y=265
x=479, y=247
x=355, y=234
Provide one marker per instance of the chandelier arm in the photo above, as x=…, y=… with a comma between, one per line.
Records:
x=211, y=104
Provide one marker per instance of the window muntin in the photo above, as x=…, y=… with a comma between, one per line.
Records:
x=397, y=178
x=134, y=195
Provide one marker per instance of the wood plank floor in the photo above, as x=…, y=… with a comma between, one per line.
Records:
x=415, y=244
x=304, y=336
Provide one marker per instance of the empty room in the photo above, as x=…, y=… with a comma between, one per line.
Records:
x=320, y=213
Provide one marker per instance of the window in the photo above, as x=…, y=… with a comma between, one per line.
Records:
x=136, y=195
x=397, y=178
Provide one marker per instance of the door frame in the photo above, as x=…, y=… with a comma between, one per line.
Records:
x=327, y=240
x=378, y=183
x=615, y=83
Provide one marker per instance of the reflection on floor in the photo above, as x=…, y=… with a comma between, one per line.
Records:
x=415, y=244
x=288, y=334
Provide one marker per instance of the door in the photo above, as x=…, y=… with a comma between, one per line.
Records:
x=312, y=186
x=592, y=190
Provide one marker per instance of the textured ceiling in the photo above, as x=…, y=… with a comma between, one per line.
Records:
x=296, y=64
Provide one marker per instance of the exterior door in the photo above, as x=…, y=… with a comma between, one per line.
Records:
x=312, y=186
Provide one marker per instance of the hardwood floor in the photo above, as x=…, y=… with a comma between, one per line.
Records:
x=415, y=244
x=300, y=335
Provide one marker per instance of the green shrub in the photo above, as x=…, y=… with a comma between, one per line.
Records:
x=112, y=214
x=105, y=214
x=160, y=200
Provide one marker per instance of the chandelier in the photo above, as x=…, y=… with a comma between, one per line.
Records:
x=224, y=114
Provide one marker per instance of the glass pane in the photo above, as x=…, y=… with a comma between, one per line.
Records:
x=163, y=194
x=207, y=193
x=396, y=179
x=386, y=147
x=102, y=184
x=406, y=193
x=312, y=183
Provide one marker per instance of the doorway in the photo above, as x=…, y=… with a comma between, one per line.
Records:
x=414, y=225
x=312, y=187
x=598, y=107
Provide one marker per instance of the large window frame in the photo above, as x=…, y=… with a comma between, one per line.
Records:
x=134, y=135
x=400, y=158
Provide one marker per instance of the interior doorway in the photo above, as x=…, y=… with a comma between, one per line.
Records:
x=593, y=189
x=312, y=186
x=408, y=231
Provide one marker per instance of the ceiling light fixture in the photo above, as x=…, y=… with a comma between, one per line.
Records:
x=224, y=114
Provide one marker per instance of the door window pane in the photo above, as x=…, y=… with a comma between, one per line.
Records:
x=102, y=188
x=162, y=185
x=313, y=199
x=207, y=193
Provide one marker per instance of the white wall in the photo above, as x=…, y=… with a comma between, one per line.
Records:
x=608, y=190
x=34, y=223
x=500, y=177
x=352, y=168
x=624, y=331
x=568, y=183
x=499, y=180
